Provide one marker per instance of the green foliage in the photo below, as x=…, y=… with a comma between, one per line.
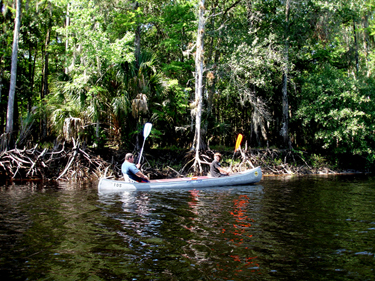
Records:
x=221, y=148
x=273, y=161
x=93, y=74
x=94, y=65
x=318, y=161
x=339, y=109
x=226, y=162
x=173, y=148
x=101, y=141
x=177, y=23
x=370, y=159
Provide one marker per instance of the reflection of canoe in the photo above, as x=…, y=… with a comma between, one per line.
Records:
x=248, y=177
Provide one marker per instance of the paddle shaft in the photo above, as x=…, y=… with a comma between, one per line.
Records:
x=140, y=155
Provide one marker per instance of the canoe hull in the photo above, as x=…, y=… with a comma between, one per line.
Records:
x=249, y=177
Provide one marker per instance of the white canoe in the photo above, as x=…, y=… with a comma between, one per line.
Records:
x=248, y=177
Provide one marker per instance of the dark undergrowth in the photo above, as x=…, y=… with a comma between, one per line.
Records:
x=82, y=163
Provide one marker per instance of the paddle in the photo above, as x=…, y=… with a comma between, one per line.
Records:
x=238, y=143
x=146, y=132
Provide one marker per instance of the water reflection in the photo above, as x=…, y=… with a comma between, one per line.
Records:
x=207, y=228
x=313, y=229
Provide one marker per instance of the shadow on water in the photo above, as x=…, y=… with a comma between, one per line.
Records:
x=283, y=229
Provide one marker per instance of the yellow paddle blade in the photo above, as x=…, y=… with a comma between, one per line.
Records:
x=238, y=142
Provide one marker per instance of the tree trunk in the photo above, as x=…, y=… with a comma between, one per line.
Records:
x=138, y=45
x=137, y=40
x=32, y=62
x=1, y=106
x=67, y=23
x=1, y=79
x=213, y=57
x=44, y=91
x=13, y=76
x=285, y=123
x=97, y=120
x=356, y=47
x=199, y=69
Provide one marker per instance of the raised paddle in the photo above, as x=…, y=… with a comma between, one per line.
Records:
x=146, y=132
x=238, y=143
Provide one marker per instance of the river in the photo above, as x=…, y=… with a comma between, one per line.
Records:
x=299, y=228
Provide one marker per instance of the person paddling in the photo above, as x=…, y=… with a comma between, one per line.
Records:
x=131, y=171
x=215, y=167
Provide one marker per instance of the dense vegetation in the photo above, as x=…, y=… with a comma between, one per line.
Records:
x=284, y=73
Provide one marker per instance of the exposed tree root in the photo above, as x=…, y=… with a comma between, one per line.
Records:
x=60, y=163
x=81, y=163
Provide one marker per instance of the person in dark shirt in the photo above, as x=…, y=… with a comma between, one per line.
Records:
x=215, y=167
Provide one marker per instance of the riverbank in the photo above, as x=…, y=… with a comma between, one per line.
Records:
x=79, y=163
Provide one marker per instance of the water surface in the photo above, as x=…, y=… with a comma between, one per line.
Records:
x=311, y=228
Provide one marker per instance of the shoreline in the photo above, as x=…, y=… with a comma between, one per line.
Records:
x=81, y=163
x=10, y=181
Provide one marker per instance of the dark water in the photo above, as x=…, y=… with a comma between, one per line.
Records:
x=316, y=228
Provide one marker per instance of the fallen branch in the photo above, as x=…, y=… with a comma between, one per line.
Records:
x=174, y=171
x=69, y=164
x=37, y=159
